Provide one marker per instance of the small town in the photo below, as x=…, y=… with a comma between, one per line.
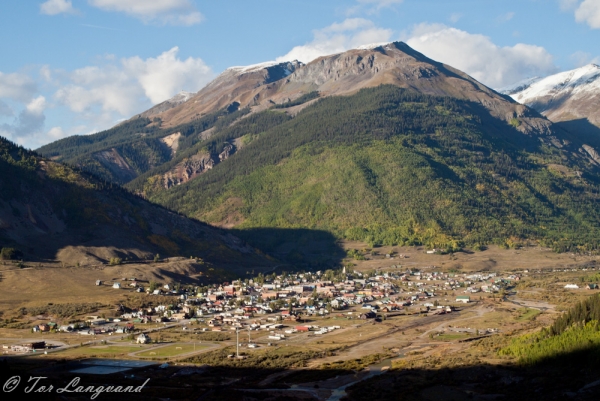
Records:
x=285, y=304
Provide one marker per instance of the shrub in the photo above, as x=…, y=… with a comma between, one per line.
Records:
x=10, y=254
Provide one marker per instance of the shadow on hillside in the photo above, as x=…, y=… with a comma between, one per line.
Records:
x=87, y=223
x=298, y=248
x=573, y=376
x=583, y=129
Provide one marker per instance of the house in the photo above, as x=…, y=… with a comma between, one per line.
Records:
x=28, y=347
x=269, y=295
x=98, y=282
x=178, y=316
x=116, y=285
x=302, y=328
x=463, y=298
x=592, y=286
x=142, y=339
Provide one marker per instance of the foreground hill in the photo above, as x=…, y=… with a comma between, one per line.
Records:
x=51, y=211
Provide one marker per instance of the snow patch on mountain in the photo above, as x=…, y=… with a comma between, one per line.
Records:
x=181, y=97
x=578, y=82
x=253, y=67
x=518, y=86
x=373, y=46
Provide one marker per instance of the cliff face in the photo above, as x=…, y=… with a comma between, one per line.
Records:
x=188, y=169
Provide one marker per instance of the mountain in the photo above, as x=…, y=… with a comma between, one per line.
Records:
x=140, y=145
x=380, y=144
x=168, y=104
x=571, y=98
x=391, y=166
x=52, y=211
x=259, y=87
x=235, y=87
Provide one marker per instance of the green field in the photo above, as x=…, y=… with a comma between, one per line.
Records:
x=171, y=350
x=527, y=314
x=102, y=351
x=450, y=337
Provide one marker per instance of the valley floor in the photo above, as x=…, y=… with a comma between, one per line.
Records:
x=301, y=365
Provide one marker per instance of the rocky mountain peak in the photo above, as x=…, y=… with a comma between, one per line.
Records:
x=260, y=86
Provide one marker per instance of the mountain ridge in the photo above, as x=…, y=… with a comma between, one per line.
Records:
x=565, y=96
x=344, y=73
x=150, y=144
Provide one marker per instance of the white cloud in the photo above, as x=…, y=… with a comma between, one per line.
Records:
x=29, y=122
x=379, y=4
x=371, y=6
x=589, y=12
x=454, y=17
x=5, y=110
x=36, y=106
x=579, y=59
x=56, y=133
x=108, y=88
x=478, y=56
x=506, y=17
x=337, y=38
x=46, y=73
x=127, y=87
x=54, y=7
x=17, y=86
x=172, y=12
x=19, y=90
x=568, y=4
x=94, y=97
x=166, y=75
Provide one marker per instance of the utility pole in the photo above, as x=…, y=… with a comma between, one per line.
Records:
x=237, y=343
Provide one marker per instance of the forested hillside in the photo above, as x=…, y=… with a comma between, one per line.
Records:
x=574, y=338
x=130, y=149
x=391, y=166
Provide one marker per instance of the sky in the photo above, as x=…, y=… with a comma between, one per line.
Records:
x=75, y=67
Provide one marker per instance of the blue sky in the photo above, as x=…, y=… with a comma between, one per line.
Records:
x=79, y=66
